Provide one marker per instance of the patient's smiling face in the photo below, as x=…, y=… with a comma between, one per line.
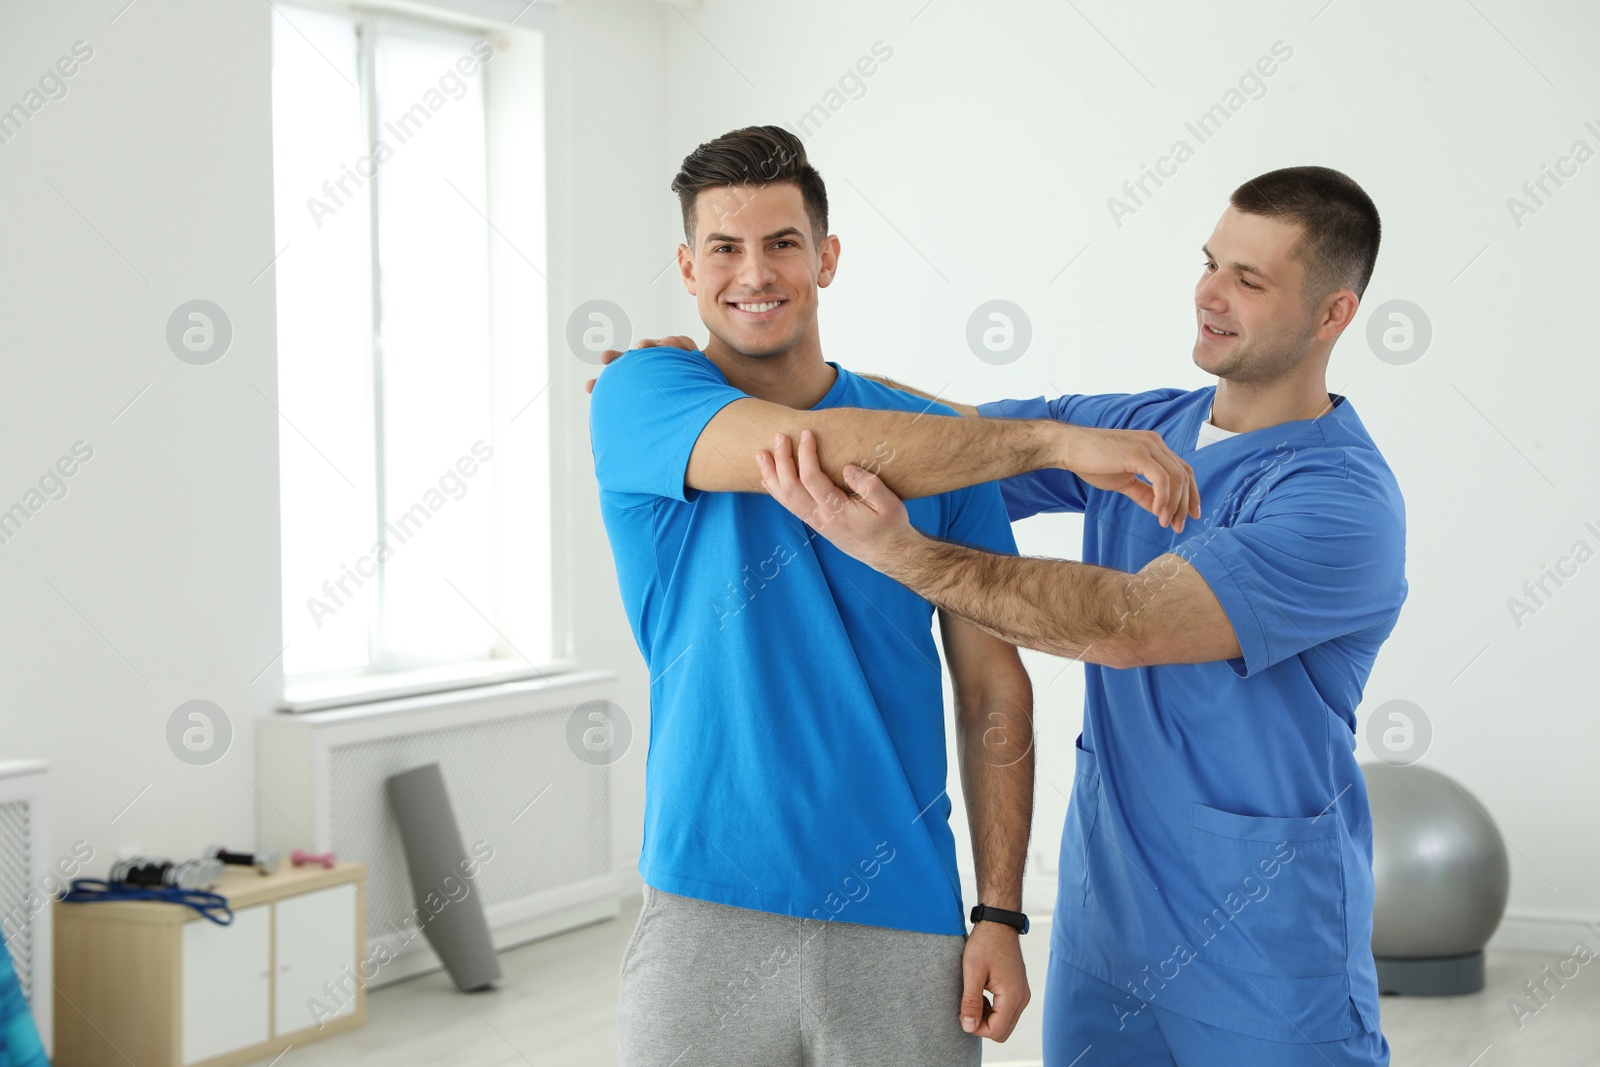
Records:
x=756, y=266
x=1250, y=288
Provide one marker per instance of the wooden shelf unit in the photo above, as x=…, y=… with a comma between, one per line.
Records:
x=121, y=995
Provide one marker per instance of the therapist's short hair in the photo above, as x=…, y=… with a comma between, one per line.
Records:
x=1339, y=228
x=753, y=156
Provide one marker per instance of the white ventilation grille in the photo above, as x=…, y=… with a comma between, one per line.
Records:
x=16, y=870
x=493, y=772
x=26, y=879
x=520, y=778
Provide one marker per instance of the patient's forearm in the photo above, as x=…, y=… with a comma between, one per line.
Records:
x=915, y=454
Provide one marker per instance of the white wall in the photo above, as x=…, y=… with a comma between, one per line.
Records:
x=977, y=164
x=154, y=580
x=607, y=133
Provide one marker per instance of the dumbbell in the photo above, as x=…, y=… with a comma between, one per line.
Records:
x=145, y=871
x=265, y=861
x=321, y=859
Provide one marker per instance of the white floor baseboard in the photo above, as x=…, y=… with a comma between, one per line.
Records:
x=1545, y=932
x=422, y=959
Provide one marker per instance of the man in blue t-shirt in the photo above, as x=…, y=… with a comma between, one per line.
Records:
x=1216, y=890
x=802, y=902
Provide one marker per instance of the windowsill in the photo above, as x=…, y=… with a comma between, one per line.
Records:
x=364, y=689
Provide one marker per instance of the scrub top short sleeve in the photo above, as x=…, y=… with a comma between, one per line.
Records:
x=1319, y=559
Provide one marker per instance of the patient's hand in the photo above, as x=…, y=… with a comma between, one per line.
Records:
x=675, y=341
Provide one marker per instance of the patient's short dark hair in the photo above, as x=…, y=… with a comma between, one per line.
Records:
x=755, y=155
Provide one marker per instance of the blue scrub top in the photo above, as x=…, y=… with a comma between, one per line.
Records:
x=797, y=747
x=1217, y=854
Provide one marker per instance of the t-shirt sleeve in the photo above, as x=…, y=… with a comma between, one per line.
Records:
x=648, y=410
x=1320, y=558
x=978, y=518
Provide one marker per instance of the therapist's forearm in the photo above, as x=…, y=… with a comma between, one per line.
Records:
x=1061, y=607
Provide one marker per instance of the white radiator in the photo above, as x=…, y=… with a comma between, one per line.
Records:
x=28, y=879
x=516, y=783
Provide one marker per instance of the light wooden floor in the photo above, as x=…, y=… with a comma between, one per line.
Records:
x=557, y=1008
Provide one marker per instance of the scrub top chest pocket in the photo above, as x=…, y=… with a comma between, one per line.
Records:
x=1273, y=892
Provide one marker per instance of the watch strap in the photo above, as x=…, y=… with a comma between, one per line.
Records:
x=1014, y=919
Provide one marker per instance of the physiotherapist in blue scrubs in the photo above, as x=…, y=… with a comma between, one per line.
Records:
x=1215, y=899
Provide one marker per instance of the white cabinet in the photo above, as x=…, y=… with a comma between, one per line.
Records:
x=315, y=941
x=227, y=975
x=142, y=983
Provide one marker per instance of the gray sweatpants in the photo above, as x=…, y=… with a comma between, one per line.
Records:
x=708, y=985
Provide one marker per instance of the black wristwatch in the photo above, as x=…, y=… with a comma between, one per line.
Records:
x=1014, y=919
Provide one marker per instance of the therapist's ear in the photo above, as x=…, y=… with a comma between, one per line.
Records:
x=1336, y=311
x=686, y=268
x=830, y=261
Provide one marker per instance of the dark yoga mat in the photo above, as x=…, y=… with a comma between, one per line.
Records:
x=458, y=931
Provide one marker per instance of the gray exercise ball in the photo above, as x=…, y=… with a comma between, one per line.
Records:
x=1441, y=880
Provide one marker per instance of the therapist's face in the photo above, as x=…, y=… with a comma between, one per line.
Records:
x=1252, y=321
x=755, y=267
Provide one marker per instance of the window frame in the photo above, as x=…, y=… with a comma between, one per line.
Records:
x=385, y=674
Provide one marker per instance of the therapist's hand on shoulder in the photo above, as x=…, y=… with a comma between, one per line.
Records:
x=612, y=354
x=993, y=961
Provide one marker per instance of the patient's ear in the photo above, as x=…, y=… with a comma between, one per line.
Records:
x=686, y=268
x=829, y=257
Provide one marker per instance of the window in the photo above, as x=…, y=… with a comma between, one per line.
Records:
x=413, y=447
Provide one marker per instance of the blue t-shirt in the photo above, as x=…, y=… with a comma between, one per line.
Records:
x=797, y=747
x=1217, y=853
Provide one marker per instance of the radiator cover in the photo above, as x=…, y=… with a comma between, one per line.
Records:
x=515, y=784
x=28, y=877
